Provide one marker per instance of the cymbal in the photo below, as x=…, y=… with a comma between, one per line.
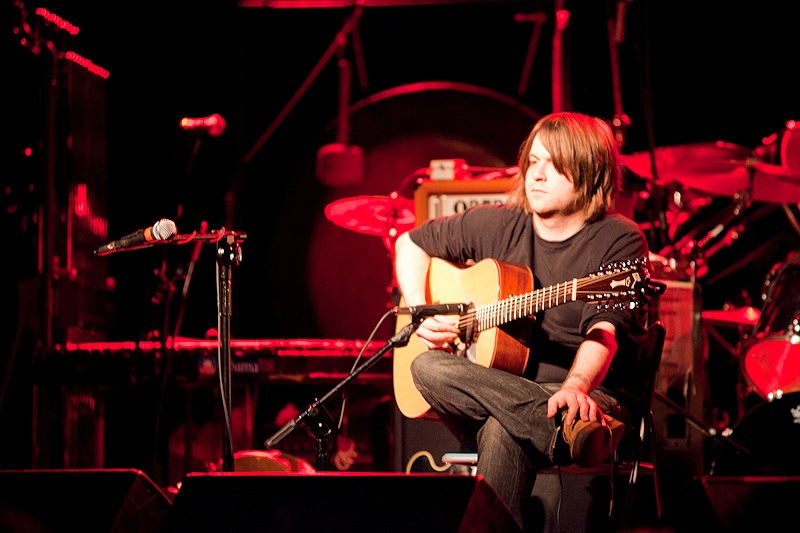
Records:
x=676, y=163
x=383, y=216
x=743, y=316
x=720, y=169
x=762, y=182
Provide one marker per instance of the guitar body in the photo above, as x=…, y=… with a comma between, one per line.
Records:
x=503, y=347
x=495, y=329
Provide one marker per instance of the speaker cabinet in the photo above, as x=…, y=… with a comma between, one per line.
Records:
x=441, y=198
x=682, y=379
x=329, y=501
x=90, y=501
x=419, y=443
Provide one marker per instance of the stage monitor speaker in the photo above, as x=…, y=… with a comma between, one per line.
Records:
x=577, y=500
x=282, y=502
x=737, y=504
x=89, y=501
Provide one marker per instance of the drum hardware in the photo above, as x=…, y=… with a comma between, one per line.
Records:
x=771, y=353
x=782, y=148
x=742, y=319
x=669, y=166
x=790, y=216
x=722, y=438
x=686, y=211
x=732, y=235
x=703, y=243
x=761, y=251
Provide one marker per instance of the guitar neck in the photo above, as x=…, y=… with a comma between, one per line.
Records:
x=614, y=287
x=524, y=305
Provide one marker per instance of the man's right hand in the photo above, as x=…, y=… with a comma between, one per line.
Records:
x=438, y=332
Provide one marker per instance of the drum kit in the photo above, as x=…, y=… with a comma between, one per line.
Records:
x=769, y=336
x=766, y=438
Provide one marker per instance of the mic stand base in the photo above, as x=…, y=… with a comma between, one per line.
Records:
x=316, y=419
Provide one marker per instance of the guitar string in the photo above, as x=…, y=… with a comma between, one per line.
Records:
x=509, y=308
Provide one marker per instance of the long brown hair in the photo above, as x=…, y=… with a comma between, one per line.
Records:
x=583, y=148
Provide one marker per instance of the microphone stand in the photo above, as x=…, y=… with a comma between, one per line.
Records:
x=350, y=26
x=316, y=419
x=229, y=255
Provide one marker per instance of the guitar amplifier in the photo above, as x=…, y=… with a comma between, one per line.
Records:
x=440, y=198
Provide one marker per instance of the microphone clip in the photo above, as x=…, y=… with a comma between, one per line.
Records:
x=423, y=311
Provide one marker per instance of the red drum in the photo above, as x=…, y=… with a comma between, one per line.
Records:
x=783, y=148
x=766, y=439
x=267, y=461
x=771, y=362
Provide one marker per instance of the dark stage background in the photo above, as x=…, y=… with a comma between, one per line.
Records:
x=686, y=75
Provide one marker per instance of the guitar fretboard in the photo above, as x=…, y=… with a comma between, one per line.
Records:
x=519, y=306
x=617, y=284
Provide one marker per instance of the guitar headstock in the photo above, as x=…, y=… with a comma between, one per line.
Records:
x=620, y=285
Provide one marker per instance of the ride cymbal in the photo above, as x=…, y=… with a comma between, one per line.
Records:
x=761, y=182
x=719, y=169
x=688, y=161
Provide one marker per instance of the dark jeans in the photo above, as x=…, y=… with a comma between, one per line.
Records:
x=500, y=415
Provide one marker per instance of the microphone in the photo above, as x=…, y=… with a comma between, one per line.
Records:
x=162, y=230
x=213, y=124
x=430, y=310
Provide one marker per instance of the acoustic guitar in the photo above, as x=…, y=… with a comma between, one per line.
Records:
x=495, y=327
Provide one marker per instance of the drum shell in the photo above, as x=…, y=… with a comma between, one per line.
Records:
x=771, y=361
x=765, y=441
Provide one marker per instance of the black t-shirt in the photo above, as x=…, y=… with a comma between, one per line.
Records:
x=506, y=233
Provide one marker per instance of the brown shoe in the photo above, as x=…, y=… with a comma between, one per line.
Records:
x=589, y=442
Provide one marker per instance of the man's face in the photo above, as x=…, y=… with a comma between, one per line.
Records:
x=549, y=192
